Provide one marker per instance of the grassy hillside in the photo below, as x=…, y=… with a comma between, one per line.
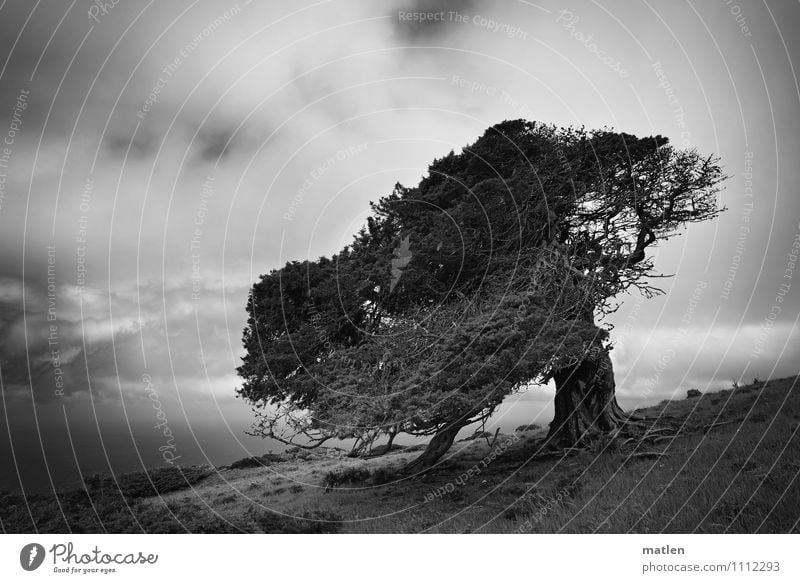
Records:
x=720, y=462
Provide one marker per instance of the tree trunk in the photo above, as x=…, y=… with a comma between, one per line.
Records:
x=388, y=447
x=585, y=404
x=437, y=447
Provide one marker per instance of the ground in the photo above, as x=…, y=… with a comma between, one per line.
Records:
x=721, y=462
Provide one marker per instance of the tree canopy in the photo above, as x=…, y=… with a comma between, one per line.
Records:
x=485, y=277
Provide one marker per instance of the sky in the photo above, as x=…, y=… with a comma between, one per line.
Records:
x=156, y=158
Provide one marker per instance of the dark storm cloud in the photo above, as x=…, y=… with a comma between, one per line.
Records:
x=21, y=50
x=140, y=145
x=211, y=143
x=412, y=20
x=52, y=57
x=215, y=144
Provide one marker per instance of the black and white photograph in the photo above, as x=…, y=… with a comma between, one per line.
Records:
x=399, y=267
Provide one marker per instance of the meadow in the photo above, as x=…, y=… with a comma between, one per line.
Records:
x=724, y=462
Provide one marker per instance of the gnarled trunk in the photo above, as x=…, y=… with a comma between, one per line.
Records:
x=392, y=435
x=585, y=404
x=437, y=447
x=388, y=448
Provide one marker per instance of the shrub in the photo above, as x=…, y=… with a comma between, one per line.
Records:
x=529, y=427
x=351, y=475
x=691, y=393
x=258, y=461
x=318, y=522
x=247, y=462
x=150, y=483
x=298, y=453
x=383, y=476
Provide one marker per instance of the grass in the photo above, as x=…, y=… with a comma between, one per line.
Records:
x=719, y=462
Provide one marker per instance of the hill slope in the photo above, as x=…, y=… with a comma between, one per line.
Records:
x=722, y=462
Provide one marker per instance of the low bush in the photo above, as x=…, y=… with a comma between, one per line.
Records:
x=258, y=461
x=528, y=427
x=318, y=522
x=342, y=476
x=380, y=476
x=145, y=484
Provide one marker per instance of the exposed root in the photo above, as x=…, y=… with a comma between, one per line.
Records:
x=633, y=422
x=648, y=455
x=651, y=435
x=708, y=428
x=635, y=417
x=659, y=438
x=557, y=453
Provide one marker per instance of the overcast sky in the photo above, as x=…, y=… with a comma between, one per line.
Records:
x=158, y=157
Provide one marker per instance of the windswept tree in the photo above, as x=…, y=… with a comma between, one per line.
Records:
x=492, y=274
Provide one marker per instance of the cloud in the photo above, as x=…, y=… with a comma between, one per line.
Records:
x=140, y=145
x=666, y=361
x=10, y=290
x=215, y=144
x=116, y=336
x=410, y=24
